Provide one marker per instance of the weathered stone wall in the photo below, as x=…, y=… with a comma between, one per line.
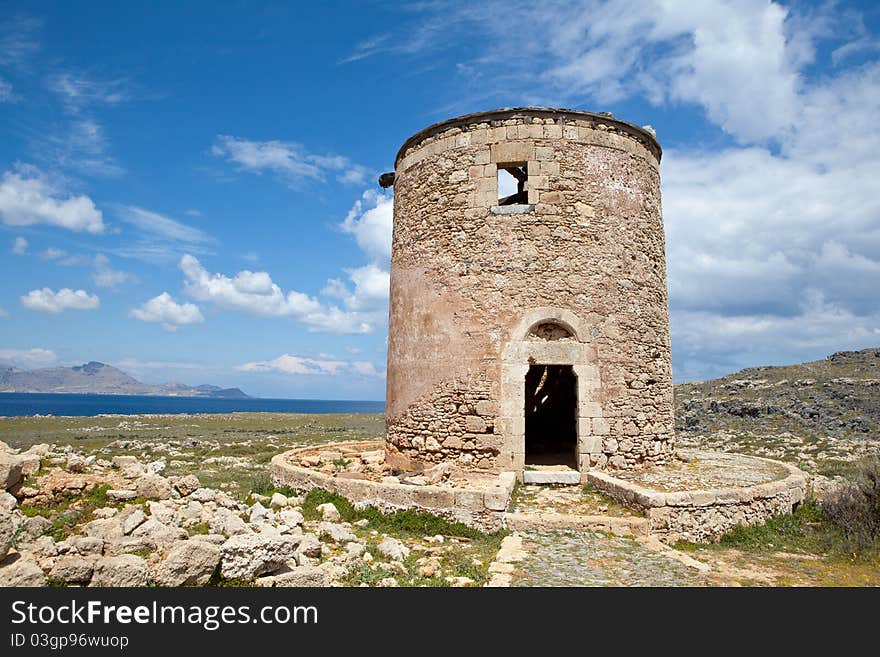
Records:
x=701, y=515
x=464, y=274
x=477, y=506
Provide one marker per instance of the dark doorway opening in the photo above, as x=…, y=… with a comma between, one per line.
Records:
x=551, y=415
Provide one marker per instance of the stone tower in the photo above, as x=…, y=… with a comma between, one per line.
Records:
x=528, y=324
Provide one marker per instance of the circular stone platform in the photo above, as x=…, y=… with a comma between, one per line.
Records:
x=358, y=471
x=706, y=494
x=694, y=499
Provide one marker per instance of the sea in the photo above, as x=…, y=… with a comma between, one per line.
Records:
x=16, y=403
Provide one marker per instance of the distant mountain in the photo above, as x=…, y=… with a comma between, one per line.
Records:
x=838, y=396
x=99, y=379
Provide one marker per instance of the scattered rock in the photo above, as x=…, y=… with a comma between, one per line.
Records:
x=278, y=501
x=10, y=470
x=124, y=570
x=104, y=529
x=391, y=548
x=291, y=517
x=336, y=532
x=260, y=514
x=82, y=545
x=76, y=463
x=250, y=555
x=186, y=485
x=309, y=546
x=121, y=495
x=354, y=550
x=159, y=533
x=8, y=501
x=34, y=527
x=131, y=520
x=188, y=563
x=154, y=487
x=328, y=512
x=17, y=570
x=301, y=576
x=128, y=544
x=203, y=495
x=73, y=569
x=228, y=523
x=7, y=532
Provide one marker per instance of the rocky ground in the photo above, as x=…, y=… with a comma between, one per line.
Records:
x=76, y=517
x=824, y=416
x=175, y=500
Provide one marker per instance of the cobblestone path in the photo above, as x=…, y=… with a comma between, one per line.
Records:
x=593, y=559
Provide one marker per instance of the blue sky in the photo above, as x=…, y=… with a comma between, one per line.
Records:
x=187, y=190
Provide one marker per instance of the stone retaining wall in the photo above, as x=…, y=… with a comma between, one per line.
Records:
x=701, y=515
x=480, y=507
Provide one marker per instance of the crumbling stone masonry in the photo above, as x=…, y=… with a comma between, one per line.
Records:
x=568, y=271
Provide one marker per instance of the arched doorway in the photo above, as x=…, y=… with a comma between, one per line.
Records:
x=551, y=412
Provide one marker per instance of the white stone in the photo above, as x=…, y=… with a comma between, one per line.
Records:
x=154, y=487
x=328, y=512
x=123, y=570
x=393, y=549
x=7, y=532
x=291, y=517
x=188, y=563
x=260, y=514
x=19, y=571
x=228, y=523
x=336, y=532
x=251, y=555
x=73, y=569
x=279, y=501
x=158, y=533
x=567, y=477
x=132, y=520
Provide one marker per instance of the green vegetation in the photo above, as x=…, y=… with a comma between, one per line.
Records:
x=69, y=511
x=855, y=510
x=400, y=523
x=229, y=451
x=467, y=554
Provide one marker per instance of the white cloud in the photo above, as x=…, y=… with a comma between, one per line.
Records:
x=289, y=160
x=27, y=198
x=165, y=309
x=104, y=275
x=48, y=301
x=3, y=313
x=78, y=91
x=162, y=226
x=28, y=358
x=740, y=62
x=52, y=253
x=371, y=289
x=325, y=365
x=81, y=145
x=19, y=246
x=6, y=94
x=708, y=344
x=256, y=293
x=133, y=364
x=18, y=40
x=370, y=221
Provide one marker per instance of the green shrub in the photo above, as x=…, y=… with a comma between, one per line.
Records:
x=855, y=509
